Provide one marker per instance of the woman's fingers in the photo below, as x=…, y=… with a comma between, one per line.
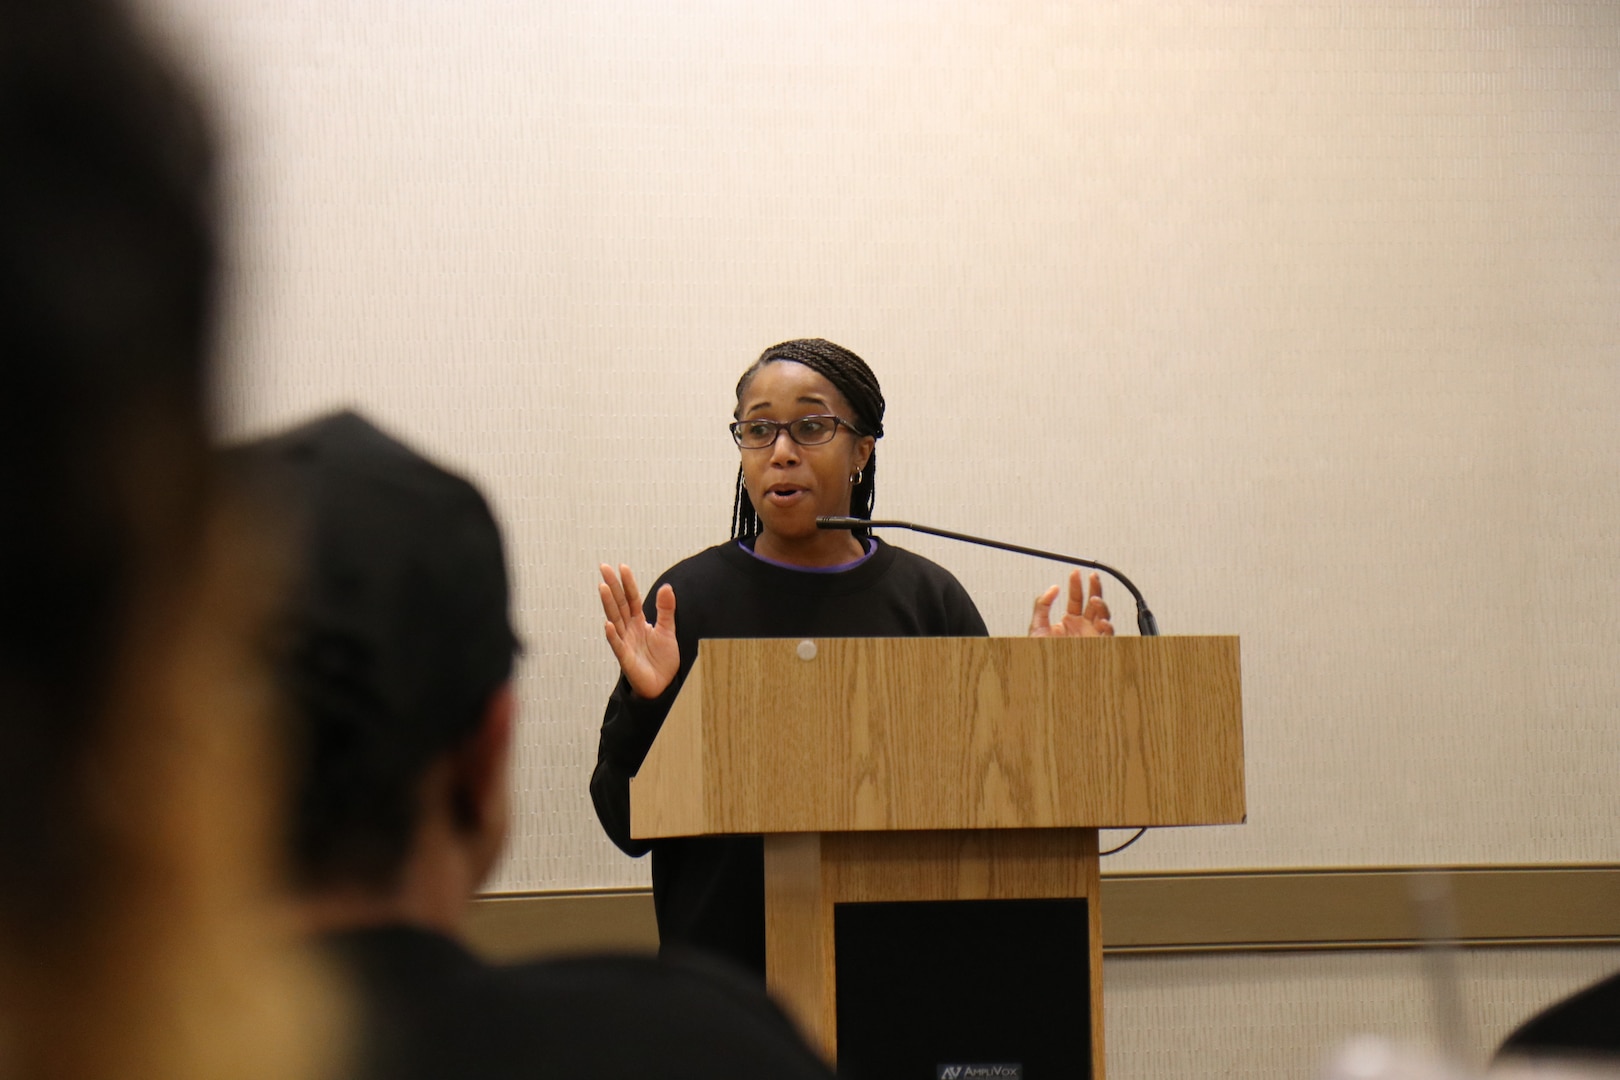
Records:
x=1084, y=615
x=1041, y=622
x=610, y=607
x=621, y=600
x=614, y=596
x=1095, y=588
x=1093, y=609
x=665, y=602
x=632, y=595
x=1083, y=597
x=1077, y=594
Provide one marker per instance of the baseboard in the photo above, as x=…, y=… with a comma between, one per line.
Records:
x=1365, y=908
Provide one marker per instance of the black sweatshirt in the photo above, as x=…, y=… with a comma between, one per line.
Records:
x=429, y=1010
x=709, y=891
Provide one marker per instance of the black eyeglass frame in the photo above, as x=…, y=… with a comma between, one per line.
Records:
x=779, y=426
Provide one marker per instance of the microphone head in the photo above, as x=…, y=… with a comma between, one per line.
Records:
x=841, y=523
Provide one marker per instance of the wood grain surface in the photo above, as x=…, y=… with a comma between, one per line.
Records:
x=800, y=967
x=1011, y=864
x=949, y=733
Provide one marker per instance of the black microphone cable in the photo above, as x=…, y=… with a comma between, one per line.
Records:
x=1146, y=624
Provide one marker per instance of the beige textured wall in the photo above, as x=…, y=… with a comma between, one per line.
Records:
x=1304, y=313
x=1279, y=1015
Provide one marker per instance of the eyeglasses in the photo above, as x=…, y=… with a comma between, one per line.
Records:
x=806, y=431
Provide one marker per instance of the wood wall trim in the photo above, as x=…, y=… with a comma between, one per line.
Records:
x=1362, y=908
x=1210, y=911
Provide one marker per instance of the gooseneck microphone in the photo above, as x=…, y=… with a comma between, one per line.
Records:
x=1146, y=624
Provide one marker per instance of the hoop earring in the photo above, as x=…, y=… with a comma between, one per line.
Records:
x=855, y=477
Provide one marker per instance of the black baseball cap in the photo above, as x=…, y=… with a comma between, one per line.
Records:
x=396, y=631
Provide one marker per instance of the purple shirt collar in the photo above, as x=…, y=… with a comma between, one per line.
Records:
x=871, y=549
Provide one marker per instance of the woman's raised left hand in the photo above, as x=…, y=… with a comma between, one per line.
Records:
x=1083, y=616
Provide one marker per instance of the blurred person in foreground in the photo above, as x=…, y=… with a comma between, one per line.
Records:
x=139, y=936
x=397, y=655
x=1582, y=1028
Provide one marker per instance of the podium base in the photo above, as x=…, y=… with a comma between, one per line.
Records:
x=820, y=888
x=963, y=989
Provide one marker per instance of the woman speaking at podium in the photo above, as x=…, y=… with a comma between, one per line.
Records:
x=808, y=417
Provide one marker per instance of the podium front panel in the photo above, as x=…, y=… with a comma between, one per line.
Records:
x=963, y=989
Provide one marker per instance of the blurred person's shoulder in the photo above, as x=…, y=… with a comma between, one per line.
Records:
x=436, y=1010
x=631, y=1015
x=1584, y=1024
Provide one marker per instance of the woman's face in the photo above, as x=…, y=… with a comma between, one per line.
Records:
x=792, y=485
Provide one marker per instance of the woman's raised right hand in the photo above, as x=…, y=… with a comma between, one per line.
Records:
x=648, y=654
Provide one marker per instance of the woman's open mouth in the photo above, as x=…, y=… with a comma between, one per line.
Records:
x=786, y=495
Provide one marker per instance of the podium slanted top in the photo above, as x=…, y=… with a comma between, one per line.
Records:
x=864, y=734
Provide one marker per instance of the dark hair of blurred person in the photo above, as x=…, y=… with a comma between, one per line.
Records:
x=396, y=661
x=136, y=932
x=394, y=646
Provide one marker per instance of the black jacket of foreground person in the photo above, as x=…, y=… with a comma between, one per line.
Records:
x=437, y=1011
x=395, y=655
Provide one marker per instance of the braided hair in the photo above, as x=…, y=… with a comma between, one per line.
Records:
x=851, y=377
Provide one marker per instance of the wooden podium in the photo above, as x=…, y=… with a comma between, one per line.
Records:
x=926, y=769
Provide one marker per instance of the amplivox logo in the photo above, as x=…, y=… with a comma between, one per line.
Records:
x=979, y=1072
